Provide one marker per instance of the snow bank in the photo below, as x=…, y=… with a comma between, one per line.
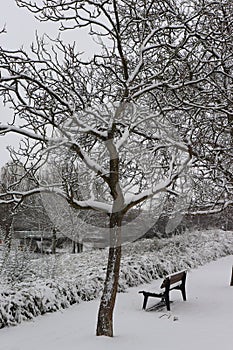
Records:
x=55, y=282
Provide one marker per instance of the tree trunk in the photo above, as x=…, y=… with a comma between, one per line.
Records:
x=79, y=247
x=7, y=245
x=107, y=303
x=54, y=241
x=73, y=247
x=8, y=236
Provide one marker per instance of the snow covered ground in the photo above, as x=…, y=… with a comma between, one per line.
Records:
x=205, y=321
x=32, y=287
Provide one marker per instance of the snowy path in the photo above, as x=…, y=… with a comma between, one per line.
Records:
x=205, y=321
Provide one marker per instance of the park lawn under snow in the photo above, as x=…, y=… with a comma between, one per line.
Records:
x=31, y=288
x=204, y=321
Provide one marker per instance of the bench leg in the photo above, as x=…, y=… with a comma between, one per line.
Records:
x=183, y=287
x=145, y=301
x=167, y=301
x=183, y=293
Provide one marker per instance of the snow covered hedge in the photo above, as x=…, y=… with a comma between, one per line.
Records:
x=55, y=282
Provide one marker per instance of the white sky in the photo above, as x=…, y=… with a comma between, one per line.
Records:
x=21, y=27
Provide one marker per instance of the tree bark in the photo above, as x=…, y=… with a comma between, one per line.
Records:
x=54, y=241
x=73, y=247
x=8, y=237
x=79, y=247
x=107, y=303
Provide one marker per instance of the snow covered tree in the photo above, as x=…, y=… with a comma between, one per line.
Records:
x=117, y=113
x=211, y=129
x=11, y=177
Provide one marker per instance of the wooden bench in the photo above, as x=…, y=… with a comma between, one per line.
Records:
x=174, y=281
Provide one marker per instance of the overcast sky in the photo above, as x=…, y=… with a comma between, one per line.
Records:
x=21, y=27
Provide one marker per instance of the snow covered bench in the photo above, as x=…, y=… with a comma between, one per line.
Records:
x=174, y=281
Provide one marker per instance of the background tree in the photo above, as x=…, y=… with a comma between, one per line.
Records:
x=11, y=177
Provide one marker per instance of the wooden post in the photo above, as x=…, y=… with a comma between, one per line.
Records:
x=231, y=284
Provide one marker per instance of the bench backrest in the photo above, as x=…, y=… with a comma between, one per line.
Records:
x=174, y=278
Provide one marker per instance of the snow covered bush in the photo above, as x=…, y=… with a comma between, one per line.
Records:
x=15, y=265
x=56, y=282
